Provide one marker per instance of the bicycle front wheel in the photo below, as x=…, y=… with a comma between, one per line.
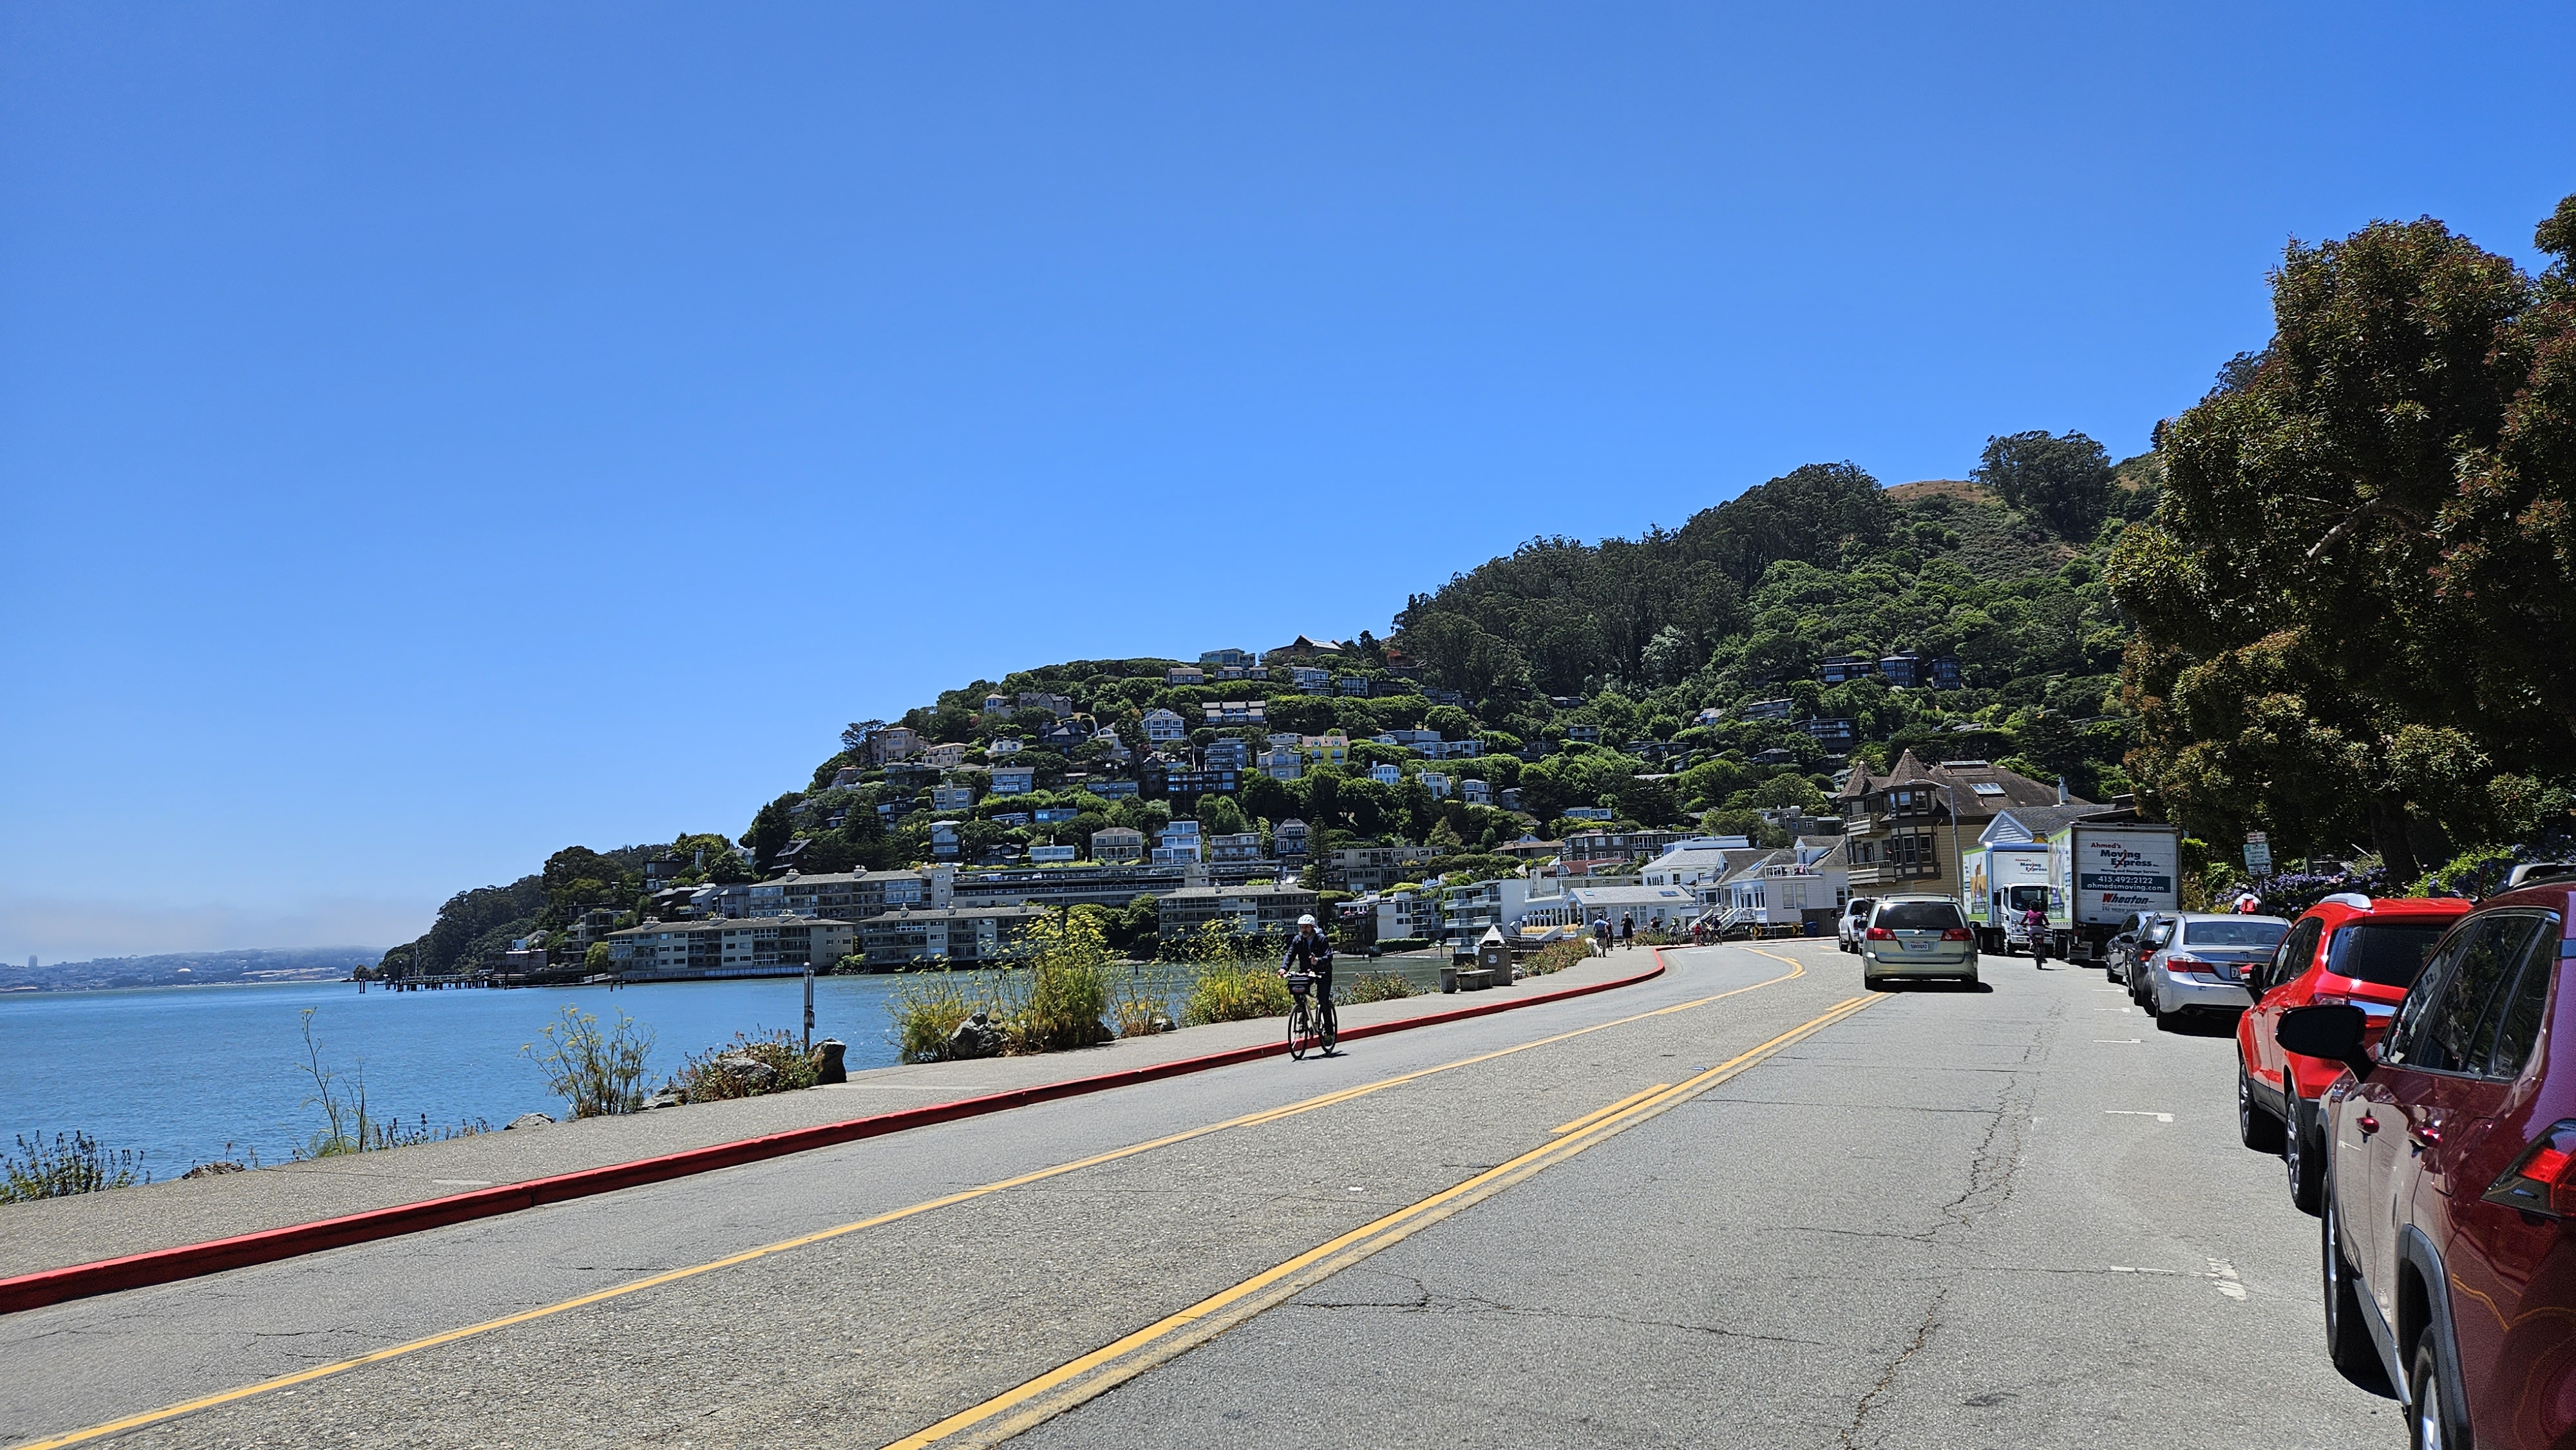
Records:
x=1300, y=1031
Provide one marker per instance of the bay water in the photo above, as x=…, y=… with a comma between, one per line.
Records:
x=192, y=1074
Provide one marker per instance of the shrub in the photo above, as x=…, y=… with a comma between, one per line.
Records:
x=706, y=1079
x=1376, y=987
x=927, y=1010
x=69, y=1165
x=1061, y=984
x=1556, y=957
x=596, y=1073
x=1235, y=991
x=1403, y=943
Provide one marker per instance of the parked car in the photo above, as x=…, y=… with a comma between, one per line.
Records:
x=2154, y=930
x=2203, y=966
x=2448, y=1263
x=1916, y=936
x=1854, y=921
x=2347, y=948
x=2123, y=943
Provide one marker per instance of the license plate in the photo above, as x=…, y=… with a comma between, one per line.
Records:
x=1918, y=946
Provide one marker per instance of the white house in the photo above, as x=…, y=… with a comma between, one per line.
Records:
x=1788, y=887
x=1385, y=774
x=1283, y=762
x=1408, y=914
x=1438, y=784
x=1176, y=844
x=1014, y=779
x=1466, y=911
x=1162, y=727
x=1475, y=792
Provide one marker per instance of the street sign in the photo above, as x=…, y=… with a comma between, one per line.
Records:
x=2258, y=854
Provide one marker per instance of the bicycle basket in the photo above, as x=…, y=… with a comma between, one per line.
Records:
x=1298, y=982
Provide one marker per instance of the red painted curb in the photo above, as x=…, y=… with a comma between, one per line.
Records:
x=188, y=1261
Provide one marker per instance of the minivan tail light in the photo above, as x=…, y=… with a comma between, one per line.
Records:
x=1957, y=933
x=1880, y=933
x=2543, y=1179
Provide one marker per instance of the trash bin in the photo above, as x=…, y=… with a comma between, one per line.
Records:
x=1493, y=954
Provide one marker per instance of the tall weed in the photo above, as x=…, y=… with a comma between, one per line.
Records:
x=347, y=1124
x=598, y=1074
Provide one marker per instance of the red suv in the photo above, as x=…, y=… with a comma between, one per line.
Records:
x=2346, y=949
x=2449, y=1262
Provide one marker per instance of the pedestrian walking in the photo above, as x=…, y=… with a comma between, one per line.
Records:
x=1601, y=935
x=1627, y=930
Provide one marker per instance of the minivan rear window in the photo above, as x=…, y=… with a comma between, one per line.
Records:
x=1919, y=916
x=2387, y=952
x=2234, y=933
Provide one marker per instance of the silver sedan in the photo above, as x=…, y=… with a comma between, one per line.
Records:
x=2202, y=965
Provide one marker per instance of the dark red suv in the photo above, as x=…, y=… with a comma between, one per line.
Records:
x=2449, y=1257
x=2347, y=948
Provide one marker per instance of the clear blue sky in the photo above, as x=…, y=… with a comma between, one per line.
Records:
x=435, y=434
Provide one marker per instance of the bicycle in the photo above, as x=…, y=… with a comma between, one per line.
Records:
x=1312, y=1022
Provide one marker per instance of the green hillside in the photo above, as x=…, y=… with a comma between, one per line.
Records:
x=1652, y=647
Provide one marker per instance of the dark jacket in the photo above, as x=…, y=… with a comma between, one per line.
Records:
x=1314, y=953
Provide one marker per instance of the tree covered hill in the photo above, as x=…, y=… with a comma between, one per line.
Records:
x=1612, y=675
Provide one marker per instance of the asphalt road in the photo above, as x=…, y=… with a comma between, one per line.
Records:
x=1942, y=1216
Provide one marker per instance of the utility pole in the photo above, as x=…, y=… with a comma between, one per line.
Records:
x=809, y=1005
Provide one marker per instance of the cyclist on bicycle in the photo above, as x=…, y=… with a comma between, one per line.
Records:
x=1311, y=952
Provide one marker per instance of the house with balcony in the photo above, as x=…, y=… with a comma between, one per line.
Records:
x=997, y=704
x=1004, y=746
x=1306, y=679
x=1228, y=659
x=1177, y=844
x=1014, y=779
x=894, y=742
x=1282, y=762
x=1799, y=885
x=1118, y=845
x=1770, y=709
x=1906, y=830
x=1385, y=774
x=1437, y=784
x=1837, y=737
x=944, y=757
x=1057, y=705
x=952, y=797
x=1162, y=727
x=1051, y=855
x=1328, y=749
x=1843, y=669
x=1231, y=752
x=1414, y=913
x=1467, y=910
x=1475, y=792
x=944, y=843
x=1582, y=734
x=1356, y=685
x=1236, y=714
x=1185, y=783
x=1237, y=847
x=1185, y=675
x=748, y=946
x=1588, y=852
x=1288, y=839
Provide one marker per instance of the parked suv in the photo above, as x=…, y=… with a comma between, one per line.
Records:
x=2203, y=966
x=2347, y=948
x=1916, y=936
x=1854, y=921
x=2448, y=1261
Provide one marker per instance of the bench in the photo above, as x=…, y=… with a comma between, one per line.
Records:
x=1471, y=979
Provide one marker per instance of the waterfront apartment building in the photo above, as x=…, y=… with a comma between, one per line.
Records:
x=743, y=946
x=958, y=935
x=850, y=896
x=1375, y=868
x=1254, y=910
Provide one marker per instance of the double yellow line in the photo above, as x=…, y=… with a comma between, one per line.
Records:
x=1068, y=1385
x=1268, y=1115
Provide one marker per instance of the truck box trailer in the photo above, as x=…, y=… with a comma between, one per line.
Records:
x=2003, y=881
x=2100, y=874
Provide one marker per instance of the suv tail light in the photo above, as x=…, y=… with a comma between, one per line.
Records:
x=2543, y=1179
x=1880, y=933
x=1957, y=933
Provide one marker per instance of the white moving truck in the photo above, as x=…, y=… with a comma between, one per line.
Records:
x=2004, y=880
x=2099, y=874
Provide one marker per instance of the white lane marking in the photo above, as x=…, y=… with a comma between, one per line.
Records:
x=2120, y=1039
x=2222, y=1276
x=2139, y=1113
x=462, y=1182
x=2110, y=989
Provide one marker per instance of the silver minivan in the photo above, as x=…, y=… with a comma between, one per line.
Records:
x=1917, y=936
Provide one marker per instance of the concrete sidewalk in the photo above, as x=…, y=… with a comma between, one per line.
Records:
x=56, y=1233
